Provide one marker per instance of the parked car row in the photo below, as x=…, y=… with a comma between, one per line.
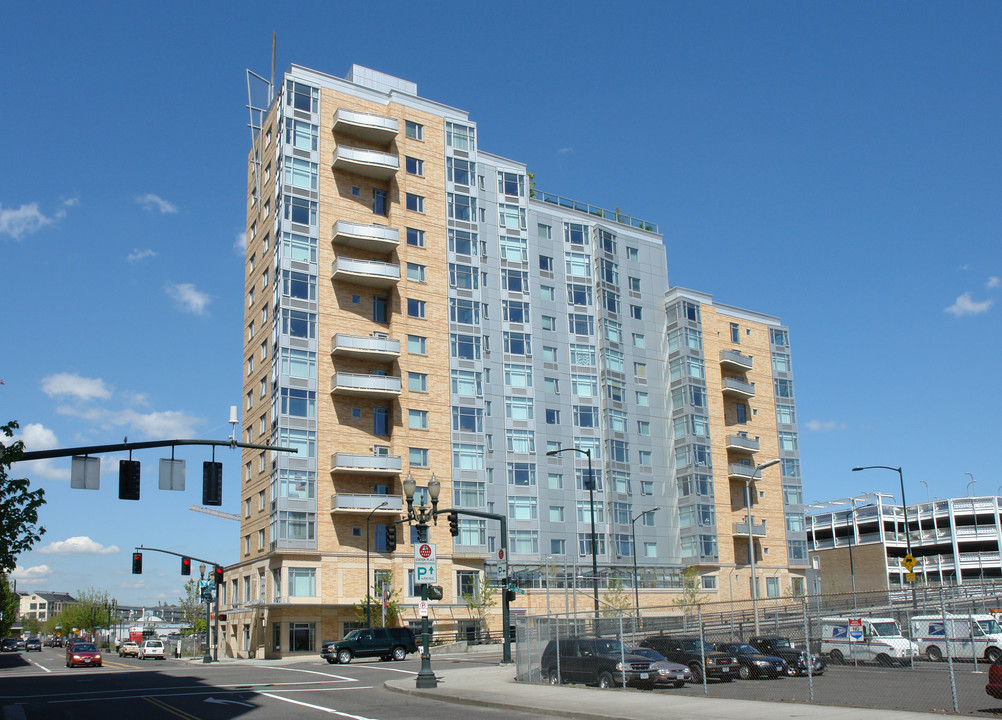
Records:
x=663, y=660
x=27, y=644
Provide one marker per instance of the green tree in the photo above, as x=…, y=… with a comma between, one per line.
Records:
x=480, y=603
x=689, y=598
x=89, y=612
x=192, y=608
x=616, y=599
x=8, y=606
x=376, y=609
x=19, y=528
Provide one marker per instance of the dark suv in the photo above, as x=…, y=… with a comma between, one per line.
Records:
x=686, y=650
x=594, y=661
x=384, y=643
x=796, y=658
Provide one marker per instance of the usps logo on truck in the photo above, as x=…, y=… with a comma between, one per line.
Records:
x=840, y=632
x=937, y=628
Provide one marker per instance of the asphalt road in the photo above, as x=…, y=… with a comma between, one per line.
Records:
x=39, y=686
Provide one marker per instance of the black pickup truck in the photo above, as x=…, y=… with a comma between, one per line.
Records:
x=686, y=650
x=796, y=658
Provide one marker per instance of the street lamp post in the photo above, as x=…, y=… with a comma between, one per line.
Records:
x=208, y=657
x=368, y=595
x=591, y=505
x=421, y=515
x=633, y=533
x=904, y=510
x=751, y=538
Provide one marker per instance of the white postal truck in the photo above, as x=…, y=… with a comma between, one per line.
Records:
x=866, y=639
x=968, y=636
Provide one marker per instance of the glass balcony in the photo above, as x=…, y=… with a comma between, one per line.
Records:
x=371, y=273
x=734, y=360
x=376, y=386
x=379, y=349
x=741, y=528
x=366, y=126
x=733, y=387
x=742, y=443
x=374, y=238
x=356, y=503
x=373, y=164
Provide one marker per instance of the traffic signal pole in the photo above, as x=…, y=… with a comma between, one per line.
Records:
x=505, y=612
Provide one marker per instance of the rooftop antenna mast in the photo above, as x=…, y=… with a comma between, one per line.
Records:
x=257, y=115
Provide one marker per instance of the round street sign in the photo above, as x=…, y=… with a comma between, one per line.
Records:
x=425, y=550
x=500, y=554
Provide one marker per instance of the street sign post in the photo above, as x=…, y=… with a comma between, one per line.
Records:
x=855, y=629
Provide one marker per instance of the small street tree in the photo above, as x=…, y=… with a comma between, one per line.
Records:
x=616, y=599
x=192, y=608
x=8, y=606
x=19, y=528
x=480, y=603
x=689, y=597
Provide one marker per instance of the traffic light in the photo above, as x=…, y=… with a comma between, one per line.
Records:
x=137, y=563
x=391, y=538
x=454, y=523
x=212, y=483
x=218, y=572
x=128, y=479
x=509, y=595
x=186, y=566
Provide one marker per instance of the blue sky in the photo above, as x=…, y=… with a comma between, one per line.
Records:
x=838, y=165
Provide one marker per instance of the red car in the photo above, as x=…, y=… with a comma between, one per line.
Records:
x=994, y=686
x=85, y=654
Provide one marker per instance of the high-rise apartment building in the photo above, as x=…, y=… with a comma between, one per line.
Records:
x=416, y=307
x=730, y=378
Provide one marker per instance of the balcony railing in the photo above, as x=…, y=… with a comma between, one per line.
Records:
x=613, y=215
x=379, y=349
x=737, y=471
x=356, y=503
x=741, y=528
x=367, y=126
x=365, y=464
x=379, y=386
x=371, y=273
x=369, y=163
x=374, y=238
x=742, y=443
x=734, y=360
x=734, y=387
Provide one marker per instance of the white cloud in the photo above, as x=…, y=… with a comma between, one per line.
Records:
x=149, y=201
x=136, y=255
x=31, y=574
x=168, y=424
x=22, y=221
x=825, y=426
x=79, y=545
x=565, y=151
x=79, y=387
x=964, y=305
x=240, y=244
x=189, y=297
x=993, y=282
x=38, y=437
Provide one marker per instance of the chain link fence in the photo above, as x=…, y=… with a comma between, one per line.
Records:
x=923, y=649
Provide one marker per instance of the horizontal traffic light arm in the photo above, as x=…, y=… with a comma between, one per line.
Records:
x=213, y=563
x=127, y=446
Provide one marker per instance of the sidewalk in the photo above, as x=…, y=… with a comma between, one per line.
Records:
x=496, y=687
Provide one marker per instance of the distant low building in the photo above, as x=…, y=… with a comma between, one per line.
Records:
x=43, y=605
x=859, y=543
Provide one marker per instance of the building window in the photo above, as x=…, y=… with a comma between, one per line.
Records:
x=467, y=383
x=575, y=234
x=296, y=323
x=301, y=173
x=468, y=456
x=417, y=457
x=465, y=347
x=549, y=322
x=302, y=637
x=417, y=345
x=380, y=421
x=414, y=202
x=510, y=183
x=511, y=217
x=467, y=419
x=460, y=137
x=417, y=419
x=415, y=238
x=547, y=292
x=460, y=171
x=296, y=525
x=463, y=311
x=302, y=97
x=413, y=130
x=523, y=474
x=518, y=408
x=462, y=242
x=632, y=253
x=301, y=211
x=517, y=343
x=545, y=262
x=299, y=403
x=735, y=333
x=578, y=324
x=636, y=312
x=460, y=207
x=414, y=166
x=415, y=308
x=300, y=286
x=415, y=272
x=463, y=276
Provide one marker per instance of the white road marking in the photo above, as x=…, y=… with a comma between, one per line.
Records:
x=238, y=686
x=207, y=691
x=313, y=672
x=388, y=669
x=321, y=708
x=40, y=666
